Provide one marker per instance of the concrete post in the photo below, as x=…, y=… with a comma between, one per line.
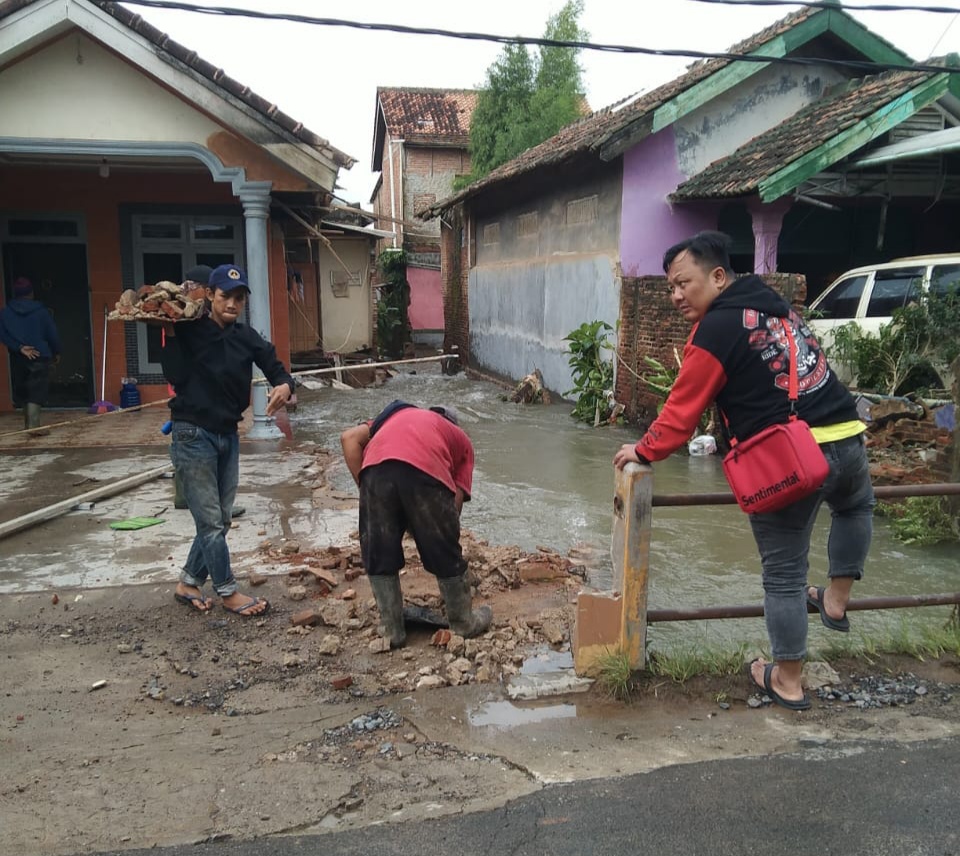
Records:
x=255, y=196
x=767, y=222
x=632, y=517
x=616, y=621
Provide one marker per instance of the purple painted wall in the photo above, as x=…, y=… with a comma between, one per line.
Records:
x=648, y=223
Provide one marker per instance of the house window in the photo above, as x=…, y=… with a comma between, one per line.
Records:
x=43, y=228
x=585, y=210
x=528, y=224
x=164, y=248
x=491, y=234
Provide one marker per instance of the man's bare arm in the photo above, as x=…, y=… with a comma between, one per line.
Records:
x=352, y=441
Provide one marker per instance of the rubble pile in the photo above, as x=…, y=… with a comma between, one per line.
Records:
x=340, y=618
x=165, y=301
x=530, y=390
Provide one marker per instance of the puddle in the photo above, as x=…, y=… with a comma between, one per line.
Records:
x=545, y=659
x=505, y=714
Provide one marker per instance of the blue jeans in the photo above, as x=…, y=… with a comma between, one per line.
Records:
x=208, y=469
x=783, y=539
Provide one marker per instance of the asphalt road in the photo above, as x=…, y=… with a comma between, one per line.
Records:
x=851, y=798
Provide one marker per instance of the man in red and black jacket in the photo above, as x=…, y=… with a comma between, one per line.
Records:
x=738, y=356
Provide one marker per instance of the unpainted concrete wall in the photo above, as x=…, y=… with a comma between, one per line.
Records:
x=544, y=266
x=520, y=313
x=582, y=215
x=757, y=104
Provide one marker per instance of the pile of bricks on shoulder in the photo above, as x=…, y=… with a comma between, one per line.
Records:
x=165, y=301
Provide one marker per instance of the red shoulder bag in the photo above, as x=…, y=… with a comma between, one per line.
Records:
x=780, y=464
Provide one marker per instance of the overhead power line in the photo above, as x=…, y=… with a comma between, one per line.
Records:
x=225, y=11
x=846, y=7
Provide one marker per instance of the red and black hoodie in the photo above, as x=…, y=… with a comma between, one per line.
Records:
x=737, y=355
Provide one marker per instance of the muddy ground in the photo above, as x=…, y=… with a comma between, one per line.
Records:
x=128, y=721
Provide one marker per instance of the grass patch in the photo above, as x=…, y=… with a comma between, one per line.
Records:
x=926, y=642
x=614, y=674
x=681, y=664
x=921, y=520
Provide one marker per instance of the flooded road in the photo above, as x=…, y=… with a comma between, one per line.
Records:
x=544, y=479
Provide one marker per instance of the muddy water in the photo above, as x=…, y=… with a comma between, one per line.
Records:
x=543, y=479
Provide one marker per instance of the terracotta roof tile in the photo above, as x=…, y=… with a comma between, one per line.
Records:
x=740, y=173
x=593, y=131
x=429, y=116
x=215, y=75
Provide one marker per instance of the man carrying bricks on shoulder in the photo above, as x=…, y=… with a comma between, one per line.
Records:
x=210, y=362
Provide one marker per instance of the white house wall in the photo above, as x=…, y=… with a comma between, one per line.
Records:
x=88, y=93
x=757, y=104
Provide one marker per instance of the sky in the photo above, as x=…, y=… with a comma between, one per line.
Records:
x=327, y=77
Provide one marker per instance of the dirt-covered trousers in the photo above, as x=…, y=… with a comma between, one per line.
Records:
x=783, y=539
x=208, y=468
x=396, y=497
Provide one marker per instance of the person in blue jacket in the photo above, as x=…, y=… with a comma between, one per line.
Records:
x=28, y=331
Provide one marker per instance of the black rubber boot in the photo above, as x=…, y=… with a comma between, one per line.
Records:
x=31, y=415
x=464, y=620
x=32, y=419
x=386, y=591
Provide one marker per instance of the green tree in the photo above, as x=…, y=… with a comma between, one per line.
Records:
x=394, y=299
x=525, y=101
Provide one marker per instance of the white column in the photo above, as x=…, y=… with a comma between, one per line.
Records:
x=255, y=196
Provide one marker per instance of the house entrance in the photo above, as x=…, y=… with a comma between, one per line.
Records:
x=52, y=254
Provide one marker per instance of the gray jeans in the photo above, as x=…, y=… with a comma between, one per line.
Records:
x=783, y=539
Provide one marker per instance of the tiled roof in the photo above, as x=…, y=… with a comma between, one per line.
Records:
x=593, y=131
x=437, y=116
x=740, y=173
x=206, y=69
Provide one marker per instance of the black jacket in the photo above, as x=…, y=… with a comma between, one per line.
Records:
x=737, y=356
x=211, y=369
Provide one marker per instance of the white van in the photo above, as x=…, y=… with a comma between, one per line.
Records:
x=868, y=295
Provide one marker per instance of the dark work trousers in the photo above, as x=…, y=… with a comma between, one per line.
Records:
x=31, y=379
x=396, y=497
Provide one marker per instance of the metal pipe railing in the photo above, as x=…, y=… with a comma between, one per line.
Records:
x=882, y=492
x=756, y=610
x=619, y=619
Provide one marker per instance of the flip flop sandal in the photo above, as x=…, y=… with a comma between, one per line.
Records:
x=192, y=600
x=841, y=625
x=788, y=703
x=242, y=610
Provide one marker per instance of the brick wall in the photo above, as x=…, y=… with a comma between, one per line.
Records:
x=650, y=326
x=921, y=445
x=454, y=273
x=419, y=161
